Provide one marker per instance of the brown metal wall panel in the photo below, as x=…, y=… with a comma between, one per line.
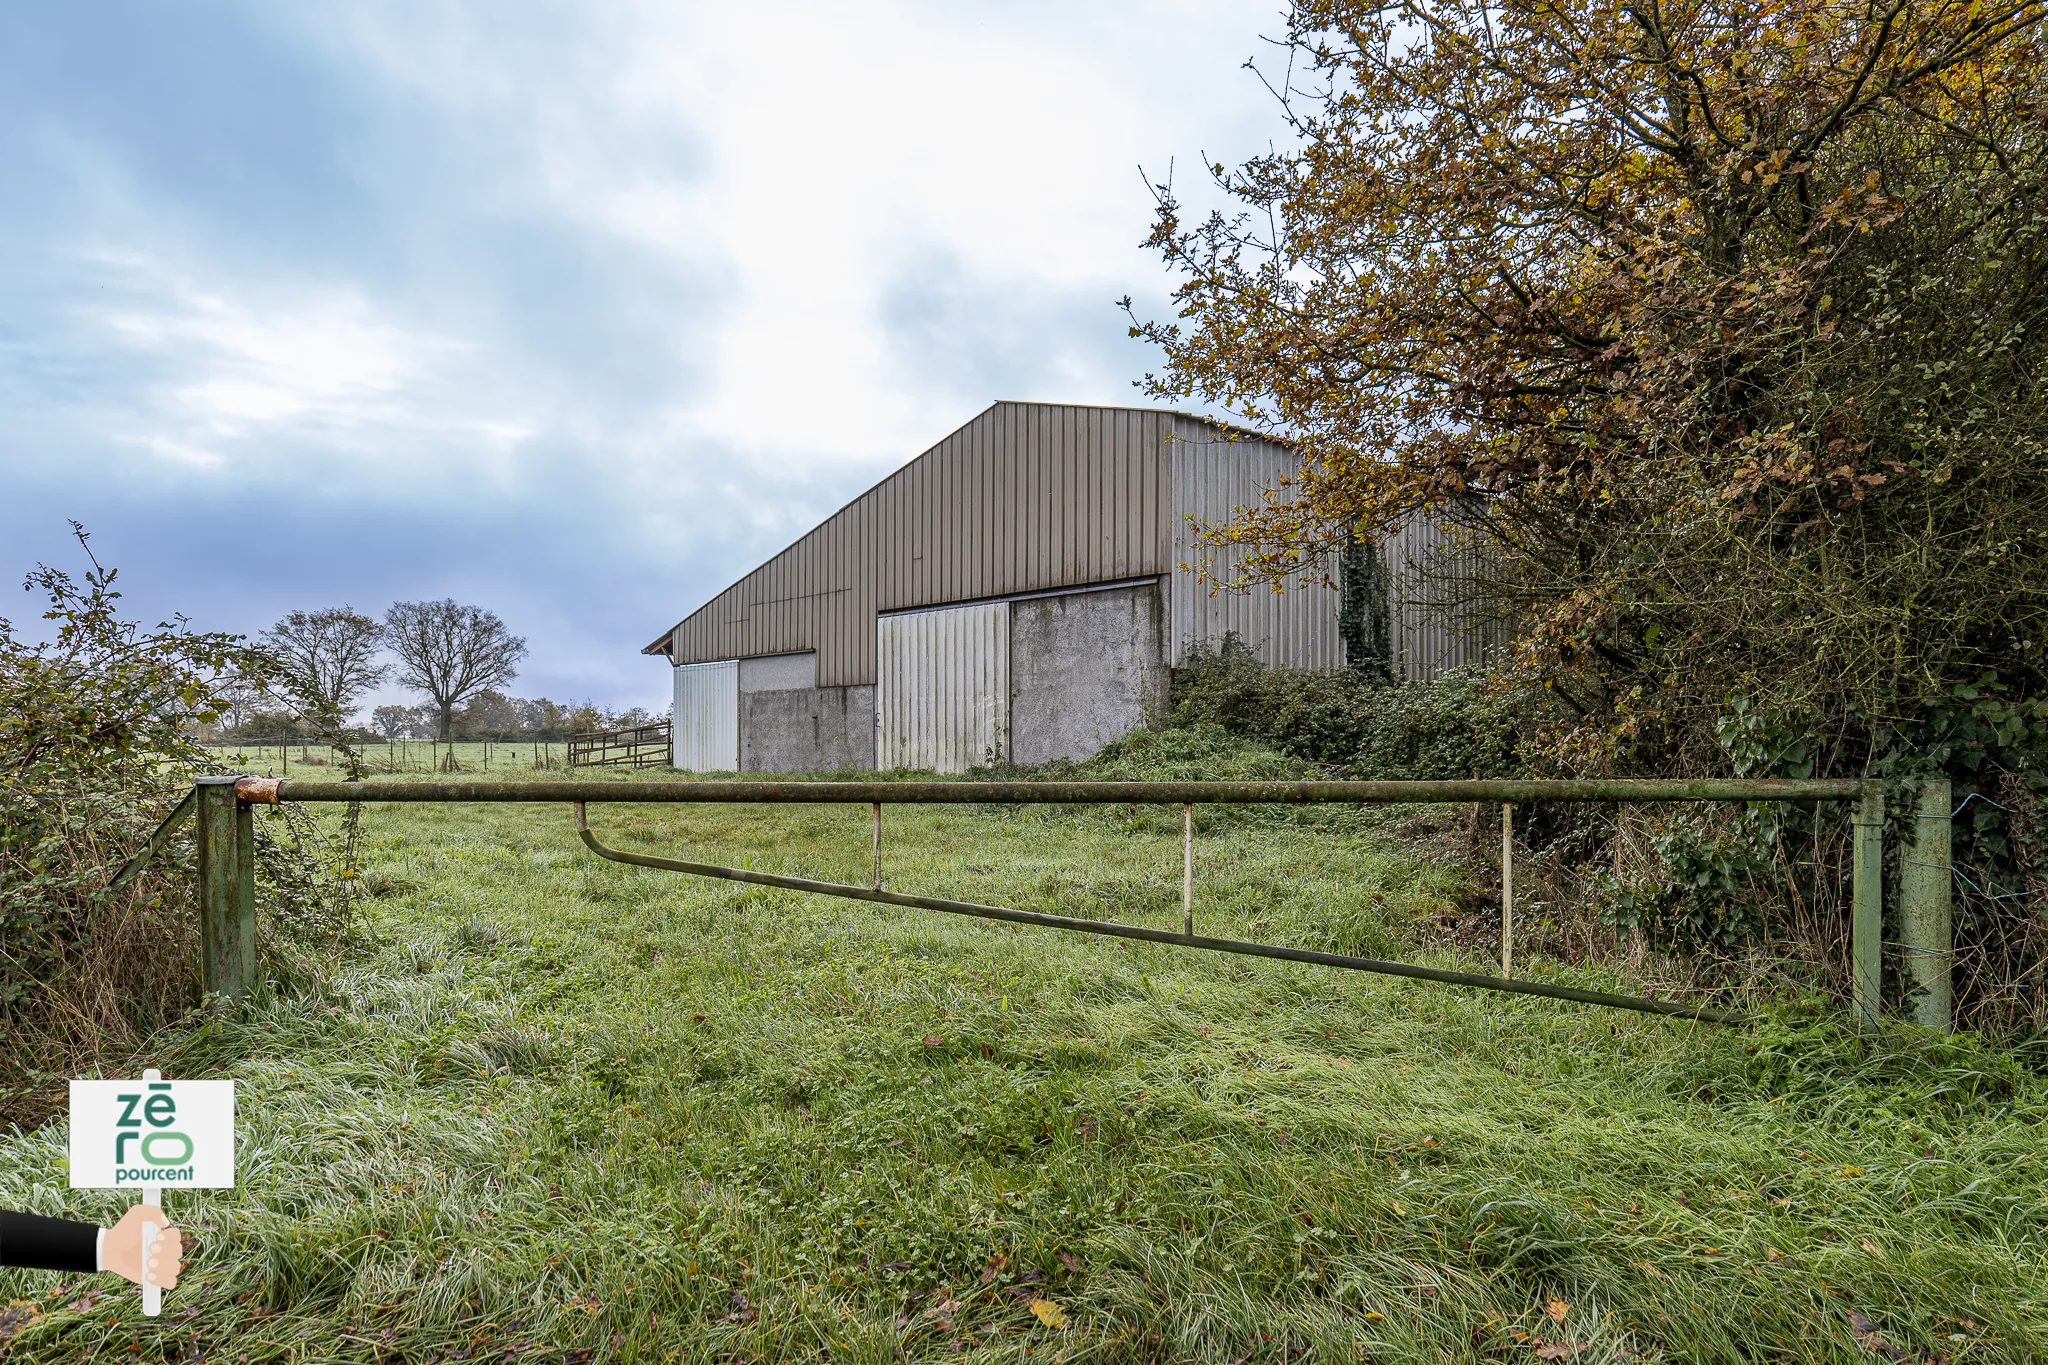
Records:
x=1026, y=497
x=1434, y=631
x=979, y=526
x=1214, y=476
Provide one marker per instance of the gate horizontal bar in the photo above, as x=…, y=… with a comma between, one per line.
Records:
x=269, y=791
x=1183, y=940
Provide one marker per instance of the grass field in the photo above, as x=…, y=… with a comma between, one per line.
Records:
x=562, y=1109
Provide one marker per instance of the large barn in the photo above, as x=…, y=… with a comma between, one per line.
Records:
x=1017, y=593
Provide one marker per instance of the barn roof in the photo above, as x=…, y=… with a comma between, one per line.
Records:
x=1025, y=497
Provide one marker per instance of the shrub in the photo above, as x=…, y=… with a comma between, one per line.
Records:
x=1203, y=752
x=1455, y=726
x=1317, y=714
x=95, y=748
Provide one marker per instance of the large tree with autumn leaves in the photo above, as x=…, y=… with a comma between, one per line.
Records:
x=1719, y=325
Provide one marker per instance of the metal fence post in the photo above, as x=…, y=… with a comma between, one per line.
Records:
x=1926, y=896
x=1866, y=916
x=1507, y=890
x=227, y=889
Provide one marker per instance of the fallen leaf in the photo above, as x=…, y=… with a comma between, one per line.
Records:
x=1558, y=1350
x=1865, y=1332
x=1070, y=1261
x=1048, y=1312
x=1556, y=1308
x=1371, y=1316
x=1649, y=1269
x=987, y=1051
x=994, y=1268
x=934, y=1040
x=17, y=1317
x=1773, y=1254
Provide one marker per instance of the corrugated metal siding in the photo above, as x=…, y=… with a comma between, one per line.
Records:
x=1035, y=496
x=1025, y=497
x=943, y=698
x=707, y=717
x=1213, y=476
x=1433, y=630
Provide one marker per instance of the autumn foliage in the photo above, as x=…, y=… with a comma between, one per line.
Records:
x=1718, y=325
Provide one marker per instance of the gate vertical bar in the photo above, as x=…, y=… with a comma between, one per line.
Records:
x=1866, y=914
x=227, y=889
x=1926, y=906
x=1507, y=890
x=1187, y=868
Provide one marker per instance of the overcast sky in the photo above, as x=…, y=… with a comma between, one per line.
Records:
x=576, y=311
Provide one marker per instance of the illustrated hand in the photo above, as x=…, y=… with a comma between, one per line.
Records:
x=122, y=1251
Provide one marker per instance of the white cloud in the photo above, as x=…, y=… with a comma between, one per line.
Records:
x=317, y=364
x=807, y=156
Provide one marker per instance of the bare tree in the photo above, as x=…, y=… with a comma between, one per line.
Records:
x=239, y=700
x=451, y=652
x=329, y=659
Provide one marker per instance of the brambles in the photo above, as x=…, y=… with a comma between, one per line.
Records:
x=96, y=745
x=1454, y=726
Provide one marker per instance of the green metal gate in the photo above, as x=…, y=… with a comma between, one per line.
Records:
x=222, y=807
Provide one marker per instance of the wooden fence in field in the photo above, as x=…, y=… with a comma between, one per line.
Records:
x=639, y=746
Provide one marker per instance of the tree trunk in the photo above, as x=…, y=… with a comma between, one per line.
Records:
x=447, y=722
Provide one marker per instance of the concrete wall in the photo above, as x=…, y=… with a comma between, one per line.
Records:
x=1085, y=668
x=779, y=672
x=807, y=729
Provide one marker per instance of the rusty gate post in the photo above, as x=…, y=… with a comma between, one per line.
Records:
x=227, y=889
x=1866, y=913
x=1926, y=903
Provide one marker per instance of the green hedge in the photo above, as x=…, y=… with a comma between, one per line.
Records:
x=1455, y=726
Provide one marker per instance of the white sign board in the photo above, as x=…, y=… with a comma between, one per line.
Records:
x=152, y=1134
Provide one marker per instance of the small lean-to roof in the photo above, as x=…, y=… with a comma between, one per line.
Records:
x=1025, y=497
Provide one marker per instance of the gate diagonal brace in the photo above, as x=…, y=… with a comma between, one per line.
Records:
x=1178, y=939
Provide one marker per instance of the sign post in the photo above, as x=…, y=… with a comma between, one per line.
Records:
x=152, y=1135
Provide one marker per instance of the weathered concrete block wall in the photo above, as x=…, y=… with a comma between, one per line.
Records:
x=807, y=729
x=1085, y=668
x=779, y=672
